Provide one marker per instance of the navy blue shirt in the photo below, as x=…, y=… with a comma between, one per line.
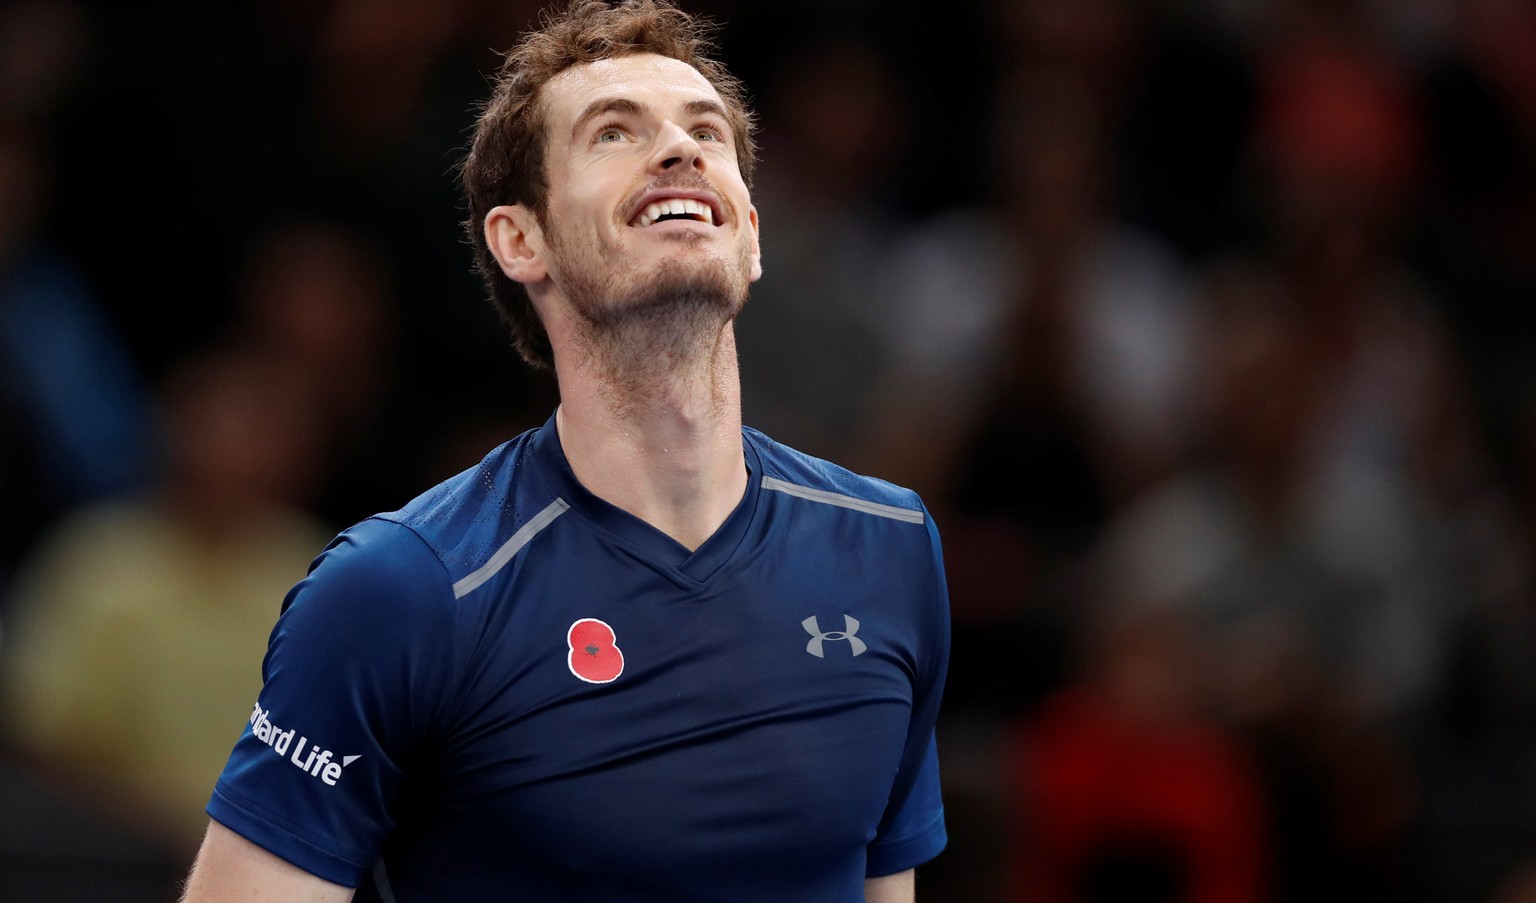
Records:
x=511, y=689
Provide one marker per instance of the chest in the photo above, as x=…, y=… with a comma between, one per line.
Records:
x=617, y=719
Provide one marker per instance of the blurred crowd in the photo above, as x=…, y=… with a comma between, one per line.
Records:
x=1204, y=327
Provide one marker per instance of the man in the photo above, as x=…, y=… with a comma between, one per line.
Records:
x=640, y=653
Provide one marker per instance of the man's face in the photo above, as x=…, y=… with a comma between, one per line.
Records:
x=646, y=208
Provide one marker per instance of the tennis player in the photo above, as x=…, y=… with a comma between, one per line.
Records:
x=640, y=653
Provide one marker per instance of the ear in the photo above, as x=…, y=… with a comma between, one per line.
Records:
x=513, y=234
x=757, y=248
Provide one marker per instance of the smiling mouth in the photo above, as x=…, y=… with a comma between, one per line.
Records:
x=667, y=209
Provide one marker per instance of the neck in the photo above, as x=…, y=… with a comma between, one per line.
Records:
x=658, y=434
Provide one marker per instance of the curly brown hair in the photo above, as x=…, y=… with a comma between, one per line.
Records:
x=506, y=161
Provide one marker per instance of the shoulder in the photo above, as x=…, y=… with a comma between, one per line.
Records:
x=422, y=550
x=463, y=522
x=800, y=475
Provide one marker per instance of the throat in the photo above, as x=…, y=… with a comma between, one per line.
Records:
x=654, y=370
x=681, y=475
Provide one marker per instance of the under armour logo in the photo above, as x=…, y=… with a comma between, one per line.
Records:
x=850, y=627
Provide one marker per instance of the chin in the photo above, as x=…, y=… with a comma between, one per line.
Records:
x=694, y=285
x=686, y=288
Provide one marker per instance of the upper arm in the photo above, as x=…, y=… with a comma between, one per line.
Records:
x=912, y=831
x=897, y=888
x=231, y=869
x=356, y=680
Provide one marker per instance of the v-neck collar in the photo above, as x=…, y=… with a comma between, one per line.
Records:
x=654, y=545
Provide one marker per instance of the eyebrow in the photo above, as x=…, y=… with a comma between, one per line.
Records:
x=627, y=107
x=705, y=108
x=603, y=107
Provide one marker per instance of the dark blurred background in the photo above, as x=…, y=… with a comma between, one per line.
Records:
x=1204, y=327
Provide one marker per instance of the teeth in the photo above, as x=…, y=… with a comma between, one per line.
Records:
x=675, y=206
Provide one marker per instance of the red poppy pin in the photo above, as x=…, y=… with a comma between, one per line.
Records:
x=594, y=654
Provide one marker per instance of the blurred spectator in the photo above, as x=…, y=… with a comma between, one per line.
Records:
x=811, y=354
x=1325, y=646
x=318, y=298
x=73, y=414
x=1321, y=531
x=141, y=622
x=1128, y=789
x=1044, y=281
x=1366, y=455
x=1040, y=353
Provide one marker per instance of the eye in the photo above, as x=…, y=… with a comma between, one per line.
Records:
x=608, y=134
x=707, y=133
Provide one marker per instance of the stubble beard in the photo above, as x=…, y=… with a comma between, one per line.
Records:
x=644, y=330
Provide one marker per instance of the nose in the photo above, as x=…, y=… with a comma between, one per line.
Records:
x=676, y=150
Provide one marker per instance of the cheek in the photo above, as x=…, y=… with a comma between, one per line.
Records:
x=571, y=197
x=597, y=192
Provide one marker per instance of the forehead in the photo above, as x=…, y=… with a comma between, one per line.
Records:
x=656, y=81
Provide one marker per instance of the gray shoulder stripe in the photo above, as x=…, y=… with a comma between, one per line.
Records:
x=844, y=501
x=504, y=554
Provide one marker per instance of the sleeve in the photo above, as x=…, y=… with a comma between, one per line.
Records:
x=912, y=830
x=357, y=676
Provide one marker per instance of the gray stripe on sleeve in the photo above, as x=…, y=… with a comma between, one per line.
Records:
x=843, y=501
x=484, y=572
